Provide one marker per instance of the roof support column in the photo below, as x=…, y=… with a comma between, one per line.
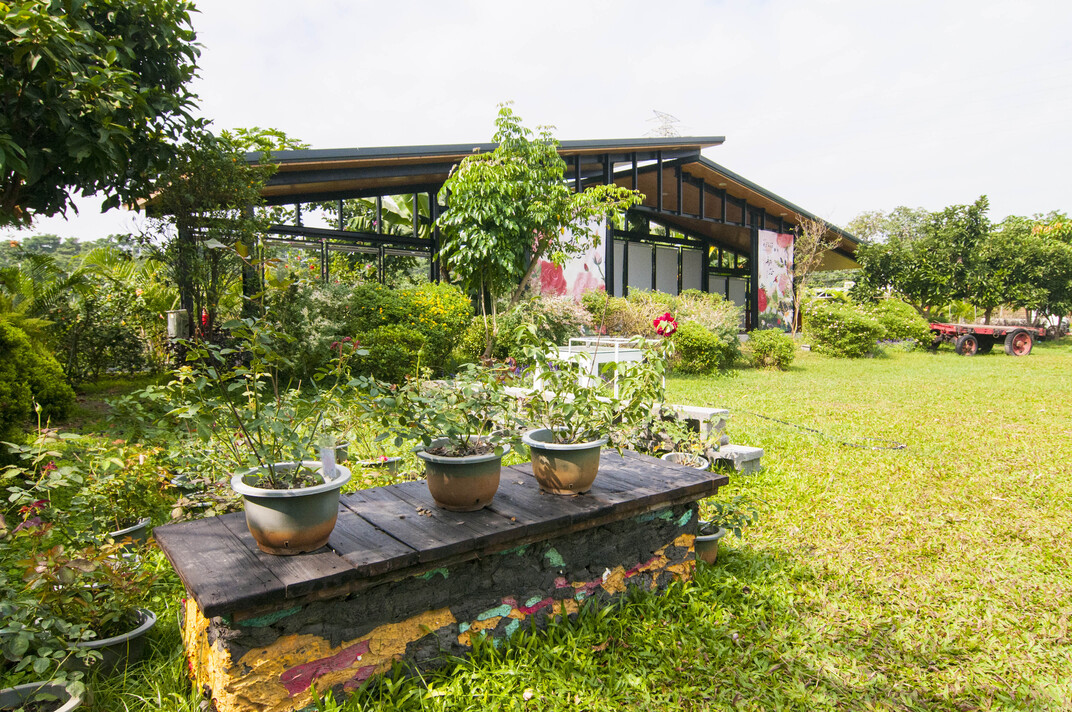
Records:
x=752, y=319
x=659, y=181
x=608, y=234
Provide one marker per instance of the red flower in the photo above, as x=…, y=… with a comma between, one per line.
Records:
x=665, y=325
x=762, y=300
x=204, y=317
x=785, y=241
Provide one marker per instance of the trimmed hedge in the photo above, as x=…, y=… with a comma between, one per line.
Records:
x=901, y=322
x=28, y=375
x=841, y=330
x=699, y=350
x=771, y=348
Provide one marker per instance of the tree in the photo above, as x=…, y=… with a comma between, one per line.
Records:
x=510, y=208
x=812, y=241
x=931, y=268
x=901, y=222
x=93, y=97
x=206, y=201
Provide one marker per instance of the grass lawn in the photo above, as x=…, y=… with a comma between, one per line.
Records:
x=936, y=577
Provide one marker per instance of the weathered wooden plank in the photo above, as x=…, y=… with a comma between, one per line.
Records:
x=218, y=570
x=383, y=508
x=485, y=527
x=383, y=532
x=300, y=574
x=370, y=550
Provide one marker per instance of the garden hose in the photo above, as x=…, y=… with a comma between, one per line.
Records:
x=861, y=443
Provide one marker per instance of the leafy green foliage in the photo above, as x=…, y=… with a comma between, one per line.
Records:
x=635, y=315
x=771, y=348
x=840, y=329
x=734, y=514
x=394, y=352
x=572, y=401
x=931, y=266
x=701, y=351
x=510, y=208
x=556, y=319
x=92, y=98
x=900, y=321
x=28, y=375
x=471, y=414
x=431, y=318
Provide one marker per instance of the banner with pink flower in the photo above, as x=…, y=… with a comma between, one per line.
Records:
x=775, y=289
x=577, y=276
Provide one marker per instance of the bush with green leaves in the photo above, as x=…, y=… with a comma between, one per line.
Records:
x=771, y=348
x=393, y=352
x=842, y=330
x=28, y=375
x=556, y=319
x=634, y=315
x=314, y=315
x=699, y=350
x=901, y=321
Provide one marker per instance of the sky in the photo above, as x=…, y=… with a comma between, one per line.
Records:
x=839, y=106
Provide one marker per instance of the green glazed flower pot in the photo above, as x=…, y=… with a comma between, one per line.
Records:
x=462, y=484
x=568, y=468
x=119, y=651
x=138, y=533
x=17, y=697
x=707, y=546
x=294, y=521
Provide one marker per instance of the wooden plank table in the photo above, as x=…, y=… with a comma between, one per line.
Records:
x=389, y=532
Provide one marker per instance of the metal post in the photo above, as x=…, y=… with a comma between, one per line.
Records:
x=753, y=281
x=342, y=224
x=659, y=180
x=577, y=173
x=680, y=191
x=703, y=193
x=433, y=250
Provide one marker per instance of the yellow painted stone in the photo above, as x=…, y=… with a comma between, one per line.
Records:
x=488, y=624
x=253, y=683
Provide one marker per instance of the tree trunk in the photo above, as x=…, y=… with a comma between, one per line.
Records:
x=986, y=314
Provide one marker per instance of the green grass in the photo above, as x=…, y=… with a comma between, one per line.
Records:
x=931, y=578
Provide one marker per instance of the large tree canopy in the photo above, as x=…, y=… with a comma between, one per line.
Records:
x=933, y=259
x=93, y=96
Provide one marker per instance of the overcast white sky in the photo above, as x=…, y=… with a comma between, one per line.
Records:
x=839, y=106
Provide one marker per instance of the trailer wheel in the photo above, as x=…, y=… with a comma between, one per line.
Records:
x=1019, y=343
x=967, y=345
x=986, y=345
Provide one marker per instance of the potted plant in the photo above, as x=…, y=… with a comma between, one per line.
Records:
x=465, y=426
x=291, y=497
x=49, y=696
x=733, y=515
x=122, y=489
x=574, y=414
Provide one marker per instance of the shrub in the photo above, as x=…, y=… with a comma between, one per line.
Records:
x=901, y=322
x=27, y=375
x=771, y=348
x=841, y=329
x=701, y=351
x=314, y=315
x=633, y=316
x=556, y=320
x=393, y=352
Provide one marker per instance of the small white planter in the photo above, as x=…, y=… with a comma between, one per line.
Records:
x=687, y=459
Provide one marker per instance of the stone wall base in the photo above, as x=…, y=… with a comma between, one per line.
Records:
x=271, y=663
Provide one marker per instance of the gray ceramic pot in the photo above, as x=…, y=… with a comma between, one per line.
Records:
x=137, y=533
x=291, y=521
x=707, y=546
x=16, y=697
x=563, y=468
x=120, y=651
x=462, y=484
